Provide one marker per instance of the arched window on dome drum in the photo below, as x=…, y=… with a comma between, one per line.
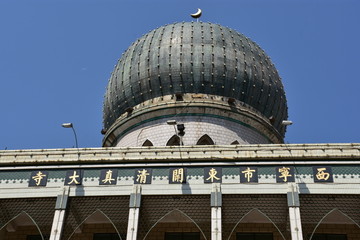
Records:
x=147, y=143
x=235, y=143
x=205, y=140
x=173, y=141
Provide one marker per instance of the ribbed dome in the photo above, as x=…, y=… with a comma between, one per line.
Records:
x=195, y=57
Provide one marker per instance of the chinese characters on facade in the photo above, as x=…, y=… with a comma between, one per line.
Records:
x=38, y=178
x=177, y=175
x=248, y=174
x=108, y=177
x=143, y=176
x=285, y=174
x=212, y=174
x=322, y=174
x=73, y=177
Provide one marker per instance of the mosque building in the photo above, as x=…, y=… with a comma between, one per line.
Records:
x=194, y=120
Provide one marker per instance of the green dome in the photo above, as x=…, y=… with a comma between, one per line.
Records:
x=196, y=57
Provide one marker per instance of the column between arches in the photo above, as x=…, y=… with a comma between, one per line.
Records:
x=59, y=216
x=134, y=209
x=216, y=220
x=294, y=212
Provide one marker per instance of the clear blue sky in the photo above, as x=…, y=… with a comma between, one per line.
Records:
x=56, y=57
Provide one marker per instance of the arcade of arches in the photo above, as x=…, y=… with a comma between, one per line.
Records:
x=185, y=217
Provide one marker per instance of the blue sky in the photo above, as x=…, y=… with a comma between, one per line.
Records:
x=56, y=57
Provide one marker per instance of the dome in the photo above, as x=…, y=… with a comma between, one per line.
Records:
x=196, y=57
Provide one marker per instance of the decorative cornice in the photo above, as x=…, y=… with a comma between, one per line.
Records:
x=259, y=154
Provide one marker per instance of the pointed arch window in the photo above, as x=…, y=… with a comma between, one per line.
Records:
x=97, y=224
x=175, y=225
x=205, y=140
x=173, y=141
x=147, y=143
x=21, y=226
x=335, y=216
x=255, y=217
x=235, y=143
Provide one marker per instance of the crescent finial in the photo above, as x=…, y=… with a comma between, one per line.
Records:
x=197, y=14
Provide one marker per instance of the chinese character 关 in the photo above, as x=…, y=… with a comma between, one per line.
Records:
x=108, y=177
x=38, y=177
x=248, y=173
x=212, y=175
x=141, y=177
x=178, y=175
x=321, y=175
x=285, y=173
x=73, y=178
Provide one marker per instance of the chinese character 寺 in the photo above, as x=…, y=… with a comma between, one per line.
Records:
x=141, y=177
x=178, y=175
x=108, y=177
x=38, y=177
x=321, y=175
x=73, y=178
x=212, y=175
x=285, y=173
x=248, y=173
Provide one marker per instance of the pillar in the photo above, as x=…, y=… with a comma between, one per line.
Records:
x=134, y=208
x=216, y=203
x=59, y=216
x=294, y=212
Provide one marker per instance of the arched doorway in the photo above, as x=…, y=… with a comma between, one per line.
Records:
x=336, y=225
x=97, y=226
x=175, y=225
x=255, y=225
x=21, y=227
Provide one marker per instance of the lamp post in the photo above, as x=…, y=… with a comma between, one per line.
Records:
x=286, y=122
x=70, y=125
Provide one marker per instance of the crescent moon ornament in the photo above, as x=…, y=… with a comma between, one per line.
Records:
x=197, y=14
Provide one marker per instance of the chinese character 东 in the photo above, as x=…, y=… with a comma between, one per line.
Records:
x=321, y=175
x=248, y=173
x=141, y=177
x=178, y=175
x=38, y=177
x=73, y=178
x=284, y=173
x=212, y=175
x=108, y=177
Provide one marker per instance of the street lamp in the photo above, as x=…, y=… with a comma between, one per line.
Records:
x=70, y=125
x=286, y=122
x=180, y=129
